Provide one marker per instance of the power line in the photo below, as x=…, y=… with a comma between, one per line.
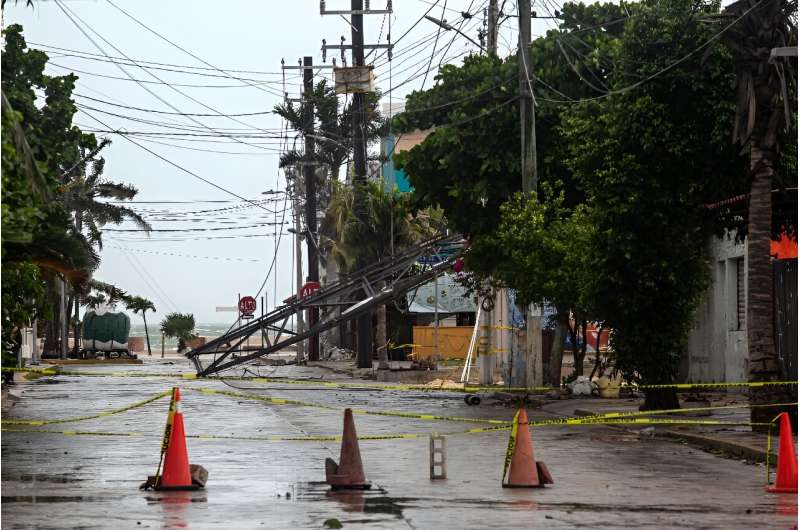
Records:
x=184, y=50
x=145, y=81
x=178, y=255
x=177, y=166
x=142, y=61
x=190, y=229
x=171, y=113
x=67, y=12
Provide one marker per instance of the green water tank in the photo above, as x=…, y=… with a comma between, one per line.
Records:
x=106, y=327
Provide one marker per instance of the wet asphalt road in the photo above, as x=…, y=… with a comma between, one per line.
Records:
x=605, y=478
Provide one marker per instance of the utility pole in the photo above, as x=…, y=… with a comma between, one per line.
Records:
x=310, y=177
x=298, y=249
x=530, y=182
x=364, y=346
x=527, y=112
x=491, y=42
x=357, y=12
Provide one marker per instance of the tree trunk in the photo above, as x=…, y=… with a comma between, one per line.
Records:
x=660, y=399
x=764, y=364
x=597, y=360
x=146, y=334
x=50, y=348
x=557, y=352
x=579, y=350
x=383, y=351
x=576, y=354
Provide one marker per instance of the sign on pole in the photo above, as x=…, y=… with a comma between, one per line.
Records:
x=247, y=306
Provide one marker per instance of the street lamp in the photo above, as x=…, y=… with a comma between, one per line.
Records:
x=447, y=27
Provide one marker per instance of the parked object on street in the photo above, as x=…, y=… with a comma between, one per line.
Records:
x=178, y=474
x=521, y=469
x=349, y=472
x=786, y=474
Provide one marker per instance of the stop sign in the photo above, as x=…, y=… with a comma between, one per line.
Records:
x=247, y=305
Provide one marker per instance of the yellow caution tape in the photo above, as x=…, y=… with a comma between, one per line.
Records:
x=165, y=440
x=92, y=417
x=628, y=414
x=410, y=415
x=400, y=387
x=512, y=443
x=377, y=437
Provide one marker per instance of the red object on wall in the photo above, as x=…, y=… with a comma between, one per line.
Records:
x=783, y=248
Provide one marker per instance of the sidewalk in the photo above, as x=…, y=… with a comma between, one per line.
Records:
x=731, y=440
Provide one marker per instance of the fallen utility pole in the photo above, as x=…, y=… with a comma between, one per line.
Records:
x=383, y=281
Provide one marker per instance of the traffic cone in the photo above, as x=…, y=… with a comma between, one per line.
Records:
x=349, y=472
x=177, y=473
x=786, y=474
x=523, y=471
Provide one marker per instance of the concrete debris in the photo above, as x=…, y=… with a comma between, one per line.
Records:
x=340, y=354
x=582, y=386
x=443, y=383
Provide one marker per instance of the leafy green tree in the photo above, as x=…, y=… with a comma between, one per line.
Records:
x=539, y=247
x=39, y=143
x=647, y=159
x=179, y=326
x=137, y=304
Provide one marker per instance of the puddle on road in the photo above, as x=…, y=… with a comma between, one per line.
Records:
x=54, y=479
x=49, y=499
x=372, y=501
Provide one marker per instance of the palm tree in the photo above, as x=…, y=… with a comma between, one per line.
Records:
x=762, y=112
x=333, y=134
x=83, y=187
x=82, y=193
x=139, y=303
x=179, y=326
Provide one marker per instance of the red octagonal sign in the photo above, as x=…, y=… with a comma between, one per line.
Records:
x=247, y=305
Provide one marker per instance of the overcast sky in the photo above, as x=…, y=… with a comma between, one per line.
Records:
x=197, y=270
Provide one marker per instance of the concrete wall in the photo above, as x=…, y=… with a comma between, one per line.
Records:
x=717, y=349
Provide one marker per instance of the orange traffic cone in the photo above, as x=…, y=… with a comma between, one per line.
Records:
x=786, y=474
x=177, y=474
x=349, y=472
x=521, y=469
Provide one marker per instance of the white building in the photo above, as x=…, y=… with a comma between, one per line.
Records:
x=717, y=349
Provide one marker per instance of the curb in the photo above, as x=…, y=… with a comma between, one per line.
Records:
x=707, y=442
x=738, y=450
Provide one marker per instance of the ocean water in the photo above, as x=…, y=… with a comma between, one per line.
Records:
x=208, y=330
x=203, y=330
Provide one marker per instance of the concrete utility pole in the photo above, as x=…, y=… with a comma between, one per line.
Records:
x=364, y=325
x=527, y=112
x=63, y=317
x=491, y=40
x=310, y=177
x=298, y=249
x=357, y=12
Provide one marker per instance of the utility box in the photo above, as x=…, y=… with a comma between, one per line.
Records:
x=354, y=79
